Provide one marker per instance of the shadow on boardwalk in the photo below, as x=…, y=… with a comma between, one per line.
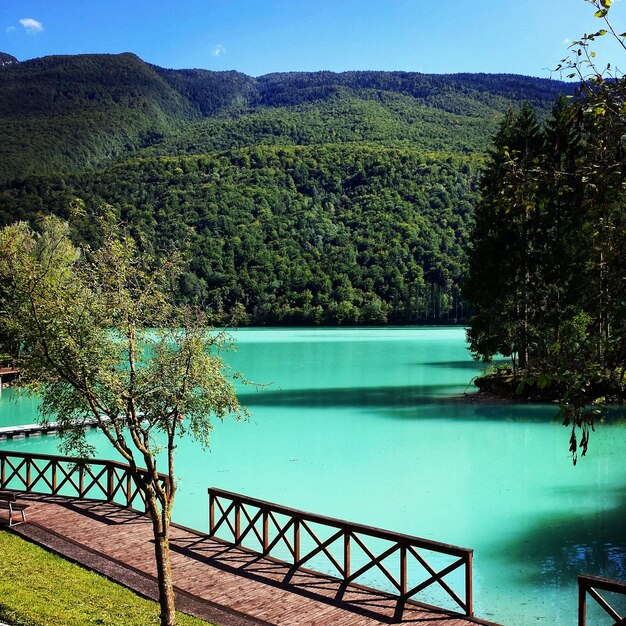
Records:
x=307, y=584
x=225, y=585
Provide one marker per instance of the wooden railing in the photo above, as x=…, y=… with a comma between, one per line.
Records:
x=92, y=479
x=588, y=585
x=349, y=552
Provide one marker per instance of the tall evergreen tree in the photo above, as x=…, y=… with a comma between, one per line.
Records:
x=547, y=273
x=502, y=255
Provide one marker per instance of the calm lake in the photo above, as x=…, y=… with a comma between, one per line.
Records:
x=370, y=425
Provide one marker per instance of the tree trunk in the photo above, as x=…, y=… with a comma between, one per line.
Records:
x=164, y=575
x=161, y=530
x=524, y=356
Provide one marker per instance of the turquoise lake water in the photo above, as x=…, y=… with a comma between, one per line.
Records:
x=370, y=425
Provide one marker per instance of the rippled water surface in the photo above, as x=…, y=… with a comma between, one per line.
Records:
x=370, y=425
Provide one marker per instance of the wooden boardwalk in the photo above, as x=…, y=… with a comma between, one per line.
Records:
x=247, y=588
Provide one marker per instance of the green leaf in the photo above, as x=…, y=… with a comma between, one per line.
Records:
x=606, y=4
x=601, y=13
x=544, y=381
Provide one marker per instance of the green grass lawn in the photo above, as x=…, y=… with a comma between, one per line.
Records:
x=38, y=588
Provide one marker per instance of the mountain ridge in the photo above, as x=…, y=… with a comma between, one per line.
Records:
x=68, y=112
x=7, y=59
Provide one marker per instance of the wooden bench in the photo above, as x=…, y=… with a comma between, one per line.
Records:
x=8, y=500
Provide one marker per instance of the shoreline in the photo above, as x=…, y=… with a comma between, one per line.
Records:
x=504, y=388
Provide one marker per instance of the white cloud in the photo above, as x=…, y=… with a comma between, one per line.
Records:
x=31, y=26
x=218, y=50
x=566, y=41
x=10, y=29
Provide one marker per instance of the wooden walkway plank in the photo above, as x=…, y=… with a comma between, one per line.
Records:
x=239, y=583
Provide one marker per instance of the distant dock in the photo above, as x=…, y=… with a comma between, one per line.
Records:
x=35, y=430
x=27, y=430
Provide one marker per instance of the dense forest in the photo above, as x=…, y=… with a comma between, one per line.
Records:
x=298, y=198
x=314, y=235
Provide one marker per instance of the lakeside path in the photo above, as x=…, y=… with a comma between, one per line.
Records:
x=223, y=585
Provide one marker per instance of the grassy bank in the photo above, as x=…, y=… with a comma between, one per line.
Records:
x=38, y=588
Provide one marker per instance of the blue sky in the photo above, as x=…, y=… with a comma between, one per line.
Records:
x=261, y=36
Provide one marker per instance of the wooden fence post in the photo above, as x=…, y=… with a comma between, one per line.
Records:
x=128, y=489
x=27, y=483
x=404, y=584
x=110, y=470
x=346, y=554
x=469, y=586
x=81, y=480
x=266, y=531
x=237, y=522
x=296, y=540
x=582, y=603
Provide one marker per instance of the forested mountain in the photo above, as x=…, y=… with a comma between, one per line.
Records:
x=68, y=112
x=301, y=197
x=7, y=59
x=63, y=113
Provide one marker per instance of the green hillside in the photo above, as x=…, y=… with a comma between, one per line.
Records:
x=62, y=113
x=300, y=197
x=385, y=119
x=330, y=234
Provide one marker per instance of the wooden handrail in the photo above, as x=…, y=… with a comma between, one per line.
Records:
x=380, y=533
x=588, y=585
x=246, y=523
x=91, y=479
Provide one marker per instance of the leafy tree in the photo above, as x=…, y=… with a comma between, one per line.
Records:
x=504, y=238
x=574, y=235
x=590, y=355
x=83, y=320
